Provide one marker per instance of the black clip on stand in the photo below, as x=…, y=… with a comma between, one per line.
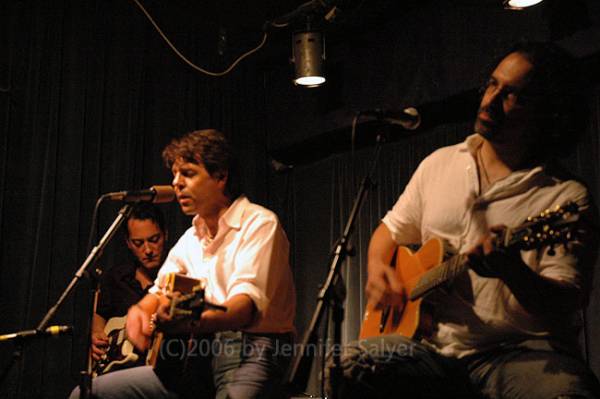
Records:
x=331, y=296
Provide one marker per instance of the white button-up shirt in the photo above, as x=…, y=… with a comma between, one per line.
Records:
x=443, y=200
x=249, y=255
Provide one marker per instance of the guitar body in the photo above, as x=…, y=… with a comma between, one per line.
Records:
x=406, y=320
x=120, y=352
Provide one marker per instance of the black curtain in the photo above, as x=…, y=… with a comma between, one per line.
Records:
x=90, y=94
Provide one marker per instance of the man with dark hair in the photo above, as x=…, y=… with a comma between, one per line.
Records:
x=211, y=149
x=241, y=253
x=124, y=285
x=508, y=326
x=555, y=90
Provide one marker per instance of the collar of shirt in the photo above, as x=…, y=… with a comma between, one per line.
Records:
x=516, y=182
x=231, y=219
x=471, y=144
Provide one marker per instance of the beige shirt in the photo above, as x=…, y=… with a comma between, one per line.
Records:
x=443, y=200
x=249, y=255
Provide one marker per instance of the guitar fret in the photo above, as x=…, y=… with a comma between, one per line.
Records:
x=435, y=277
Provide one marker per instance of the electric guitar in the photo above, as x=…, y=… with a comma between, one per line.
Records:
x=120, y=353
x=423, y=271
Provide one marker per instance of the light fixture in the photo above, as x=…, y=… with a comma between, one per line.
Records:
x=308, y=54
x=519, y=4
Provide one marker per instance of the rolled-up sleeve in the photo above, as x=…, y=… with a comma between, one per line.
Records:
x=259, y=262
x=573, y=262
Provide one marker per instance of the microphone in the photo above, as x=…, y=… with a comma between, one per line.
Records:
x=409, y=118
x=156, y=194
x=52, y=331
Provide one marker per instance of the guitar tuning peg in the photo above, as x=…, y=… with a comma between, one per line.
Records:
x=181, y=312
x=198, y=288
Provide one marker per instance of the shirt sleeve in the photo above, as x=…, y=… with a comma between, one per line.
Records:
x=259, y=263
x=404, y=219
x=573, y=262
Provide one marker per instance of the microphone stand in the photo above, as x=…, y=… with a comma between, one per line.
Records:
x=85, y=384
x=332, y=295
x=20, y=337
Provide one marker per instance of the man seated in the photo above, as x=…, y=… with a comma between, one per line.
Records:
x=507, y=327
x=125, y=284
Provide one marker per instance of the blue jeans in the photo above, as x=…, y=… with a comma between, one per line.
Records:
x=398, y=367
x=232, y=365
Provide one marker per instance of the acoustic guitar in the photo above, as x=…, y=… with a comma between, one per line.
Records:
x=186, y=305
x=424, y=271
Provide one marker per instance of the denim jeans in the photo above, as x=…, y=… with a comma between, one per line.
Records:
x=398, y=367
x=232, y=365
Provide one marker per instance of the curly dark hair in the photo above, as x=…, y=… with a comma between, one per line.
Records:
x=210, y=148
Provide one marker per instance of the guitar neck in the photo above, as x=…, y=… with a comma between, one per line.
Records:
x=439, y=275
x=548, y=229
x=458, y=264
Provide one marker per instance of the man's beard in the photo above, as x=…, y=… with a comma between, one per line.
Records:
x=489, y=129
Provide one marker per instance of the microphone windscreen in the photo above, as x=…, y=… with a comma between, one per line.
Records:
x=163, y=194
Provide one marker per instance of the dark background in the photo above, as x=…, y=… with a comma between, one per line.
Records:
x=90, y=94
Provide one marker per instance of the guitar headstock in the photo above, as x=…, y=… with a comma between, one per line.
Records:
x=186, y=305
x=551, y=227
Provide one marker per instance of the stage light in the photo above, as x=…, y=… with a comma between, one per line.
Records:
x=308, y=55
x=519, y=4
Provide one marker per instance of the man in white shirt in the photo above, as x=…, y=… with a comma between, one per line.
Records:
x=240, y=250
x=506, y=328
